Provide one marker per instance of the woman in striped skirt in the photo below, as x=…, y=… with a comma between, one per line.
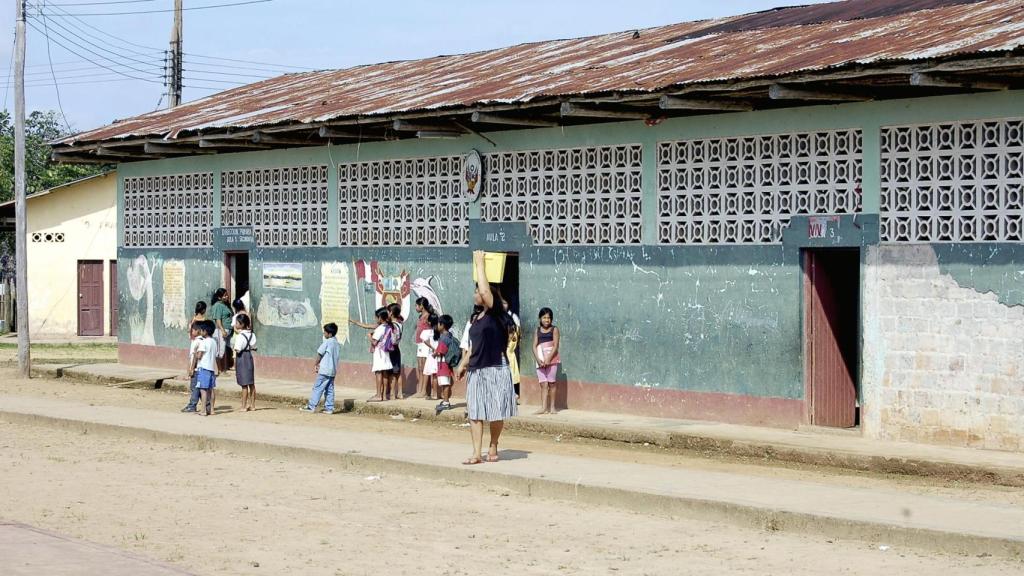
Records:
x=489, y=394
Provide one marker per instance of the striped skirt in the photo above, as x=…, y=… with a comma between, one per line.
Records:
x=490, y=395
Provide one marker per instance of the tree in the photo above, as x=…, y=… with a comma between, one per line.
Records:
x=41, y=128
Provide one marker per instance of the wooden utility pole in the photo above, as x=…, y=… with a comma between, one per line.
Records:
x=21, y=233
x=174, y=67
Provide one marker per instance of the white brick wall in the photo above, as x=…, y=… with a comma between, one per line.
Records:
x=943, y=364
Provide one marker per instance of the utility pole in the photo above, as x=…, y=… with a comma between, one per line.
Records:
x=21, y=234
x=174, y=64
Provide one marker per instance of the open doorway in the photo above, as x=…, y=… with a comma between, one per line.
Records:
x=832, y=336
x=236, y=273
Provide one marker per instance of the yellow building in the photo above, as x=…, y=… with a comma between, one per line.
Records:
x=72, y=257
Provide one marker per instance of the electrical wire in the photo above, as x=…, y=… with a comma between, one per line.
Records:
x=148, y=62
x=172, y=10
x=83, y=57
x=7, y=87
x=101, y=3
x=56, y=86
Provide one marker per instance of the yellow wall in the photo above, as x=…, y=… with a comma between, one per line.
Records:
x=86, y=213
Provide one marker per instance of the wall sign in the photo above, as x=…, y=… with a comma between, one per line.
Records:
x=234, y=238
x=472, y=176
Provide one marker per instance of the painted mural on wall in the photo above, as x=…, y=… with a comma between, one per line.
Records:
x=386, y=289
x=286, y=313
x=140, y=288
x=334, y=299
x=423, y=288
x=174, y=294
x=282, y=276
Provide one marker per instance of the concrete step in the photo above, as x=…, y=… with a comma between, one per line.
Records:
x=879, y=516
x=805, y=446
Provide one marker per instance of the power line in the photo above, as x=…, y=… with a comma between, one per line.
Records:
x=164, y=11
x=7, y=87
x=147, y=62
x=83, y=57
x=56, y=87
x=102, y=3
x=200, y=56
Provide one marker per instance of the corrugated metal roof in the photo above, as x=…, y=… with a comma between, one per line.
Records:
x=759, y=45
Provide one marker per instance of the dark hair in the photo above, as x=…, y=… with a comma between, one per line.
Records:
x=218, y=294
x=200, y=307
x=209, y=327
x=477, y=310
x=426, y=304
x=238, y=305
x=396, y=311
x=198, y=326
x=245, y=322
x=331, y=329
x=497, y=311
x=446, y=321
x=547, y=311
x=382, y=314
x=432, y=322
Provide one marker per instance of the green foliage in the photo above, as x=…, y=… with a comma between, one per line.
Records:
x=41, y=172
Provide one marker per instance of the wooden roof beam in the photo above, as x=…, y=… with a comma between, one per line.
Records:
x=79, y=159
x=112, y=153
x=332, y=132
x=216, y=144
x=262, y=138
x=407, y=126
x=570, y=109
x=932, y=80
x=783, y=92
x=485, y=118
x=676, y=103
x=162, y=148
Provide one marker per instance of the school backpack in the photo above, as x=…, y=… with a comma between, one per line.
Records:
x=454, y=354
x=389, y=341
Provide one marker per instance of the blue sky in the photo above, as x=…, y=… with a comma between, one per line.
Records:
x=312, y=34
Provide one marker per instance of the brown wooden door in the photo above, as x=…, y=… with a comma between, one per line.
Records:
x=90, y=298
x=113, y=297
x=831, y=327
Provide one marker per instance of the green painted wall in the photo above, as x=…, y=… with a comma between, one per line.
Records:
x=723, y=319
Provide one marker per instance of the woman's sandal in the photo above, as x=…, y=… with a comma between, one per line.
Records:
x=472, y=461
x=493, y=458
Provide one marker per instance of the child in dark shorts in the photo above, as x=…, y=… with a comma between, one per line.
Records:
x=397, y=383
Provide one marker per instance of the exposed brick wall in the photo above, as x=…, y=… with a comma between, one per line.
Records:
x=943, y=363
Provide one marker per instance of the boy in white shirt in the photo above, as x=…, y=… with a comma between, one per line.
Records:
x=196, y=333
x=204, y=366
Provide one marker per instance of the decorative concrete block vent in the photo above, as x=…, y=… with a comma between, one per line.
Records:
x=943, y=363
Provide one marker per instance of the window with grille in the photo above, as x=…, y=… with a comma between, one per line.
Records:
x=568, y=196
x=744, y=190
x=168, y=211
x=409, y=202
x=48, y=237
x=953, y=182
x=285, y=206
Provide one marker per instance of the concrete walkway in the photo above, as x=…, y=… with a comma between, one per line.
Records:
x=878, y=516
x=839, y=449
x=28, y=551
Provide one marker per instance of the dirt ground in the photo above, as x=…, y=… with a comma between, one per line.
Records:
x=216, y=513
x=283, y=414
x=61, y=353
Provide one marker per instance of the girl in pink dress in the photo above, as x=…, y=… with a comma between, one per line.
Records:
x=545, y=349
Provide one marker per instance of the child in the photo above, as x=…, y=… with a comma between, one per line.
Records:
x=204, y=367
x=448, y=354
x=326, y=369
x=545, y=349
x=244, y=343
x=397, y=321
x=428, y=339
x=422, y=352
x=381, y=344
x=196, y=333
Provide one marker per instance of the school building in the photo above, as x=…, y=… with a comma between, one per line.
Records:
x=810, y=215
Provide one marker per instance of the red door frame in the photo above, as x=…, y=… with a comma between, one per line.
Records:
x=114, y=308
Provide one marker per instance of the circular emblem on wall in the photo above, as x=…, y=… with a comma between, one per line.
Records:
x=472, y=176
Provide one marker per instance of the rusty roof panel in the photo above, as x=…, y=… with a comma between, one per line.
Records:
x=661, y=57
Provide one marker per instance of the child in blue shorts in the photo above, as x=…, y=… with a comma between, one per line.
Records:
x=204, y=367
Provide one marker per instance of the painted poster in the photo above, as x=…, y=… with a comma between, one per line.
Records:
x=334, y=296
x=277, y=276
x=387, y=288
x=174, y=294
x=140, y=288
x=286, y=313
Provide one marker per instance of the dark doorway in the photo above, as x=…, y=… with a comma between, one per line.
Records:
x=832, y=336
x=236, y=272
x=90, y=298
x=510, y=282
x=113, y=297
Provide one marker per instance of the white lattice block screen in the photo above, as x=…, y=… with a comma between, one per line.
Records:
x=568, y=196
x=410, y=202
x=164, y=211
x=744, y=190
x=953, y=182
x=285, y=206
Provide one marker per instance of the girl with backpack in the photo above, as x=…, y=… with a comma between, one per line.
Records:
x=448, y=354
x=381, y=344
x=244, y=343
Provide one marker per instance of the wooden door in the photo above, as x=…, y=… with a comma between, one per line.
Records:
x=90, y=298
x=831, y=333
x=113, y=297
